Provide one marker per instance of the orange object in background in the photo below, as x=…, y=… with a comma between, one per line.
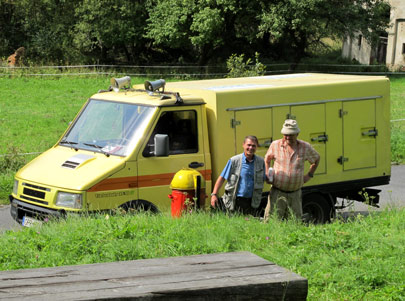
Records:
x=181, y=201
x=188, y=191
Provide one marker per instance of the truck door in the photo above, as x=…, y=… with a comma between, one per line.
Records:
x=253, y=122
x=186, y=149
x=359, y=134
x=312, y=123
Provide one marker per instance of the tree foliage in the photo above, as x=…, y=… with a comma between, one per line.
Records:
x=177, y=31
x=238, y=67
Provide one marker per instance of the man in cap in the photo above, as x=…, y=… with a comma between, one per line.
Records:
x=245, y=178
x=289, y=155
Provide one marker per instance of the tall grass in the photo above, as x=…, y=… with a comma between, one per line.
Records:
x=358, y=260
x=398, y=113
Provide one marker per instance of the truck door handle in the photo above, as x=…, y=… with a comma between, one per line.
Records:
x=196, y=164
x=320, y=138
x=370, y=133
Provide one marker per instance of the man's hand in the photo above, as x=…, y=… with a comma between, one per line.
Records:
x=214, y=201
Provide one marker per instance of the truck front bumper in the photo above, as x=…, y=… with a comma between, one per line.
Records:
x=19, y=209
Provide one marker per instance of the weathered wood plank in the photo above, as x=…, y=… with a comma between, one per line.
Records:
x=238, y=275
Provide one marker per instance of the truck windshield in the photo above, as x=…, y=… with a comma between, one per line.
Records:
x=108, y=127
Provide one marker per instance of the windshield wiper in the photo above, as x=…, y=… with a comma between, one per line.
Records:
x=99, y=147
x=71, y=143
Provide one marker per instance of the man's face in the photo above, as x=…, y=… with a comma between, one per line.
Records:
x=249, y=147
x=291, y=139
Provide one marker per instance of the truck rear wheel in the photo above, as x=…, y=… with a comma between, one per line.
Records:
x=317, y=208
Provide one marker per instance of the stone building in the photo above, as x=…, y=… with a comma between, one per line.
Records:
x=391, y=47
x=396, y=35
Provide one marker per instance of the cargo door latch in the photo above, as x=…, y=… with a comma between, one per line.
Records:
x=342, y=159
x=370, y=133
x=320, y=138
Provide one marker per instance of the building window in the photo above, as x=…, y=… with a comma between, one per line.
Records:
x=359, y=40
x=403, y=48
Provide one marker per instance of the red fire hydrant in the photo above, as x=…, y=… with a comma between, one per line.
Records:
x=188, y=191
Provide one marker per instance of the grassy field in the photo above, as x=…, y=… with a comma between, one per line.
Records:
x=398, y=112
x=358, y=260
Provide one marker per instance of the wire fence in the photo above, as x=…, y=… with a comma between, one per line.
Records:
x=190, y=71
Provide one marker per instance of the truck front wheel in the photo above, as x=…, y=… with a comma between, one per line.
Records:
x=317, y=208
x=139, y=205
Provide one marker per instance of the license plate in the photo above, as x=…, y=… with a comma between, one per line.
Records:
x=29, y=221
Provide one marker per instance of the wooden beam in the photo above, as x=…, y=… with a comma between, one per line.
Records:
x=223, y=276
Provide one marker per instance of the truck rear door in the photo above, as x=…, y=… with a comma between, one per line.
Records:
x=359, y=134
x=256, y=122
x=312, y=123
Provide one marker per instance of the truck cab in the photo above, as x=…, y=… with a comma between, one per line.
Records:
x=107, y=157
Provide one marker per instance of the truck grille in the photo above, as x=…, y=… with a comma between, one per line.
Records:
x=36, y=187
x=34, y=193
x=33, y=200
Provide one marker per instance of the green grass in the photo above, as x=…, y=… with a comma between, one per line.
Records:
x=398, y=112
x=358, y=260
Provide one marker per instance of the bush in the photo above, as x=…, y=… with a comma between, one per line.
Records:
x=238, y=67
x=12, y=160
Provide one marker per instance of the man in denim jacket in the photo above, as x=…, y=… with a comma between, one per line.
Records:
x=245, y=177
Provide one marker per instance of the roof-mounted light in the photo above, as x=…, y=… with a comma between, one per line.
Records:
x=120, y=83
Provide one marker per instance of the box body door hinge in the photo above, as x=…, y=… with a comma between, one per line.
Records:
x=234, y=123
x=342, y=113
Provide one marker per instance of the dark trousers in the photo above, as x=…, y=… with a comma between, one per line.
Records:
x=243, y=206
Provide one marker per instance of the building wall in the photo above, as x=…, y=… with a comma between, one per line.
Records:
x=357, y=49
x=396, y=35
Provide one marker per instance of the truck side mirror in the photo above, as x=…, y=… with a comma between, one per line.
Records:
x=161, y=145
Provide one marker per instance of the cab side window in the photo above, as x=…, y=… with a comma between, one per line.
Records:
x=181, y=127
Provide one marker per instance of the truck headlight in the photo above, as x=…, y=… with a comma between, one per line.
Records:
x=15, y=187
x=71, y=200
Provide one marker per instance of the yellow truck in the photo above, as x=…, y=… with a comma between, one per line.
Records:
x=127, y=142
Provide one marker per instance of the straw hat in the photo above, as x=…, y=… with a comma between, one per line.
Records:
x=290, y=127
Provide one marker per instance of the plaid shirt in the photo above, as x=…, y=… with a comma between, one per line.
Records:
x=289, y=165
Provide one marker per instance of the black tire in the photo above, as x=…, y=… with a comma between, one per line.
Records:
x=140, y=205
x=317, y=208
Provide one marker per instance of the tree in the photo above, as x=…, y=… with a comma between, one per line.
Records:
x=195, y=31
x=45, y=25
x=297, y=25
x=11, y=32
x=105, y=29
x=203, y=29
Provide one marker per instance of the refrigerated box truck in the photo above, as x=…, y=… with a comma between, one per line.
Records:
x=127, y=142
